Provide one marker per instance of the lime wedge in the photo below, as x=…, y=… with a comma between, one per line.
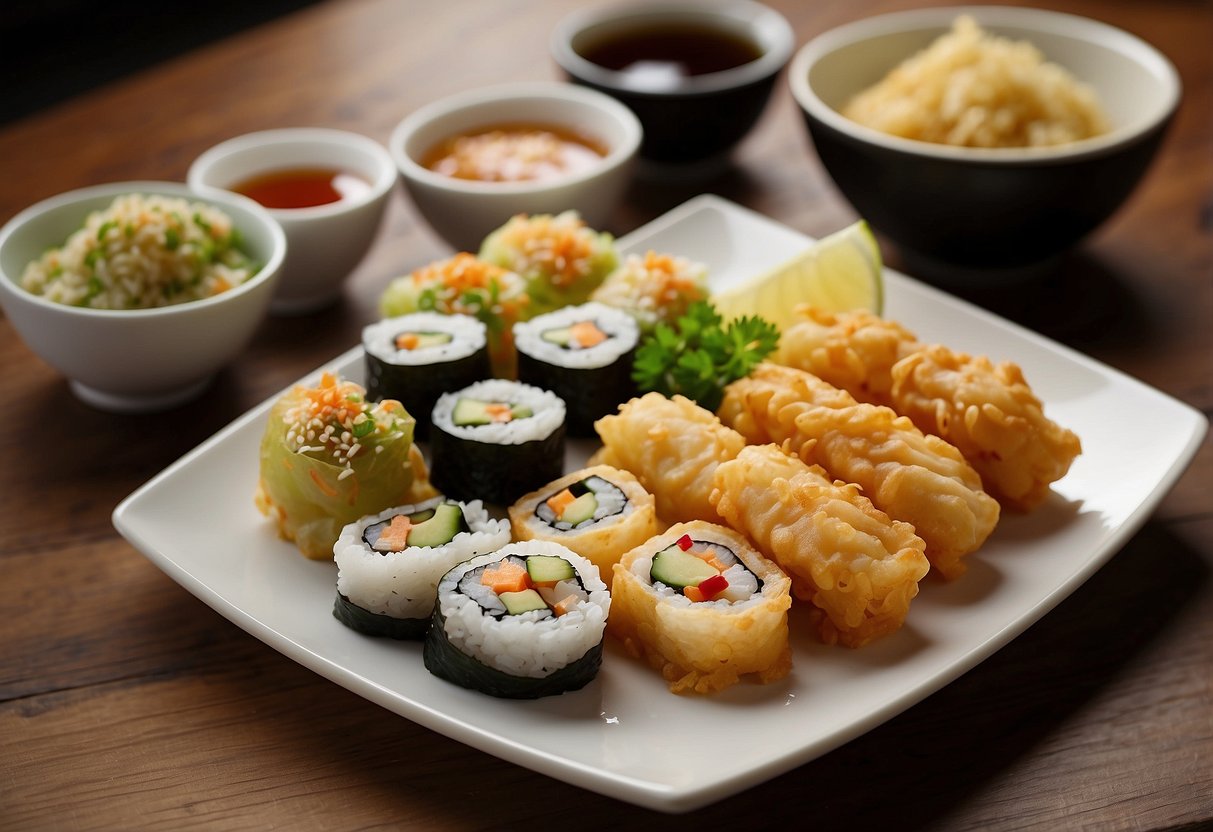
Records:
x=838, y=273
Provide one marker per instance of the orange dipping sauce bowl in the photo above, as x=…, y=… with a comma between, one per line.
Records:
x=328, y=189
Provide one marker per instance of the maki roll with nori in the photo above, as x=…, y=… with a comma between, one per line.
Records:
x=389, y=564
x=561, y=259
x=416, y=358
x=465, y=285
x=523, y=622
x=582, y=354
x=496, y=440
x=329, y=456
x=704, y=607
x=598, y=512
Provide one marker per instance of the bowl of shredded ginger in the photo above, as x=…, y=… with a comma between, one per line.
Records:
x=984, y=142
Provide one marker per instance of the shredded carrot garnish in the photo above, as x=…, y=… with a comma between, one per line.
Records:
x=693, y=593
x=559, y=502
x=395, y=537
x=506, y=576
x=321, y=484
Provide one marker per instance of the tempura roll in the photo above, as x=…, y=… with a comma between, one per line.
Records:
x=673, y=446
x=911, y=476
x=855, y=564
x=599, y=512
x=704, y=607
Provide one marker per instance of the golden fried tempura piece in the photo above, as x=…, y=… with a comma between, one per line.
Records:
x=910, y=476
x=987, y=411
x=702, y=647
x=990, y=414
x=855, y=351
x=673, y=447
x=849, y=559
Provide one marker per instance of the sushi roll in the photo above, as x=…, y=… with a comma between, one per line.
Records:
x=582, y=354
x=523, y=622
x=703, y=607
x=496, y=440
x=599, y=513
x=654, y=288
x=464, y=284
x=328, y=456
x=561, y=259
x=416, y=358
x=389, y=564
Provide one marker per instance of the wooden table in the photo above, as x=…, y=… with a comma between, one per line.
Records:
x=127, y=703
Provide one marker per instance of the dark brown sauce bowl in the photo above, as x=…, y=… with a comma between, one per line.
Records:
x=686, y=119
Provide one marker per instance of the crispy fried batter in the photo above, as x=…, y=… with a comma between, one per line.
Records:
x=912, y=477
x=857, y=566
x=987, y=411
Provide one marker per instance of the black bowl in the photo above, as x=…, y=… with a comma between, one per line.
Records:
x=689, y=118
x=956, y=211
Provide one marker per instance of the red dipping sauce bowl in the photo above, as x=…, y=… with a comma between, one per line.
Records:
x=327, y=189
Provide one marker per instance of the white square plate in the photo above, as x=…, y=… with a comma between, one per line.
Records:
x=625, y=735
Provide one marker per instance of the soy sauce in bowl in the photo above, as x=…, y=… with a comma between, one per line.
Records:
x=661, y=53
x=301, y=187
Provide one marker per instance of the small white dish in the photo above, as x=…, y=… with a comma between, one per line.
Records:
x=324, y=242
x=464, y=211
x=618, y=735
x=136, y=360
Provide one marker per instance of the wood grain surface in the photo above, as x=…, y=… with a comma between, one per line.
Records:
x=126, y=703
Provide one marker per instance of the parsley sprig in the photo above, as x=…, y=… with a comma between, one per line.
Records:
x=698, y=356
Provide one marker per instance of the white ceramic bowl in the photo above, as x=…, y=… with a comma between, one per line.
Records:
x=462, y=211
x=136, y=360
x=324, y=242
x=961, y=213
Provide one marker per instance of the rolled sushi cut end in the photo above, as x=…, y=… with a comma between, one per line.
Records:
x=496, y=440
x=582, y=354
x=389, y=564
x=416, y=358
x=561, y=259
x=703, y=607
x=523, y=622
x=599, y=512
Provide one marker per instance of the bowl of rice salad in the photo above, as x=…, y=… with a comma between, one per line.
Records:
x=139, y=292
x=983, y=141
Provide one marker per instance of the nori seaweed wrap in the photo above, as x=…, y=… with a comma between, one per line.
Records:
x=416, y=358
x=523, y=622
x=582, y=354
x=496, y=440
